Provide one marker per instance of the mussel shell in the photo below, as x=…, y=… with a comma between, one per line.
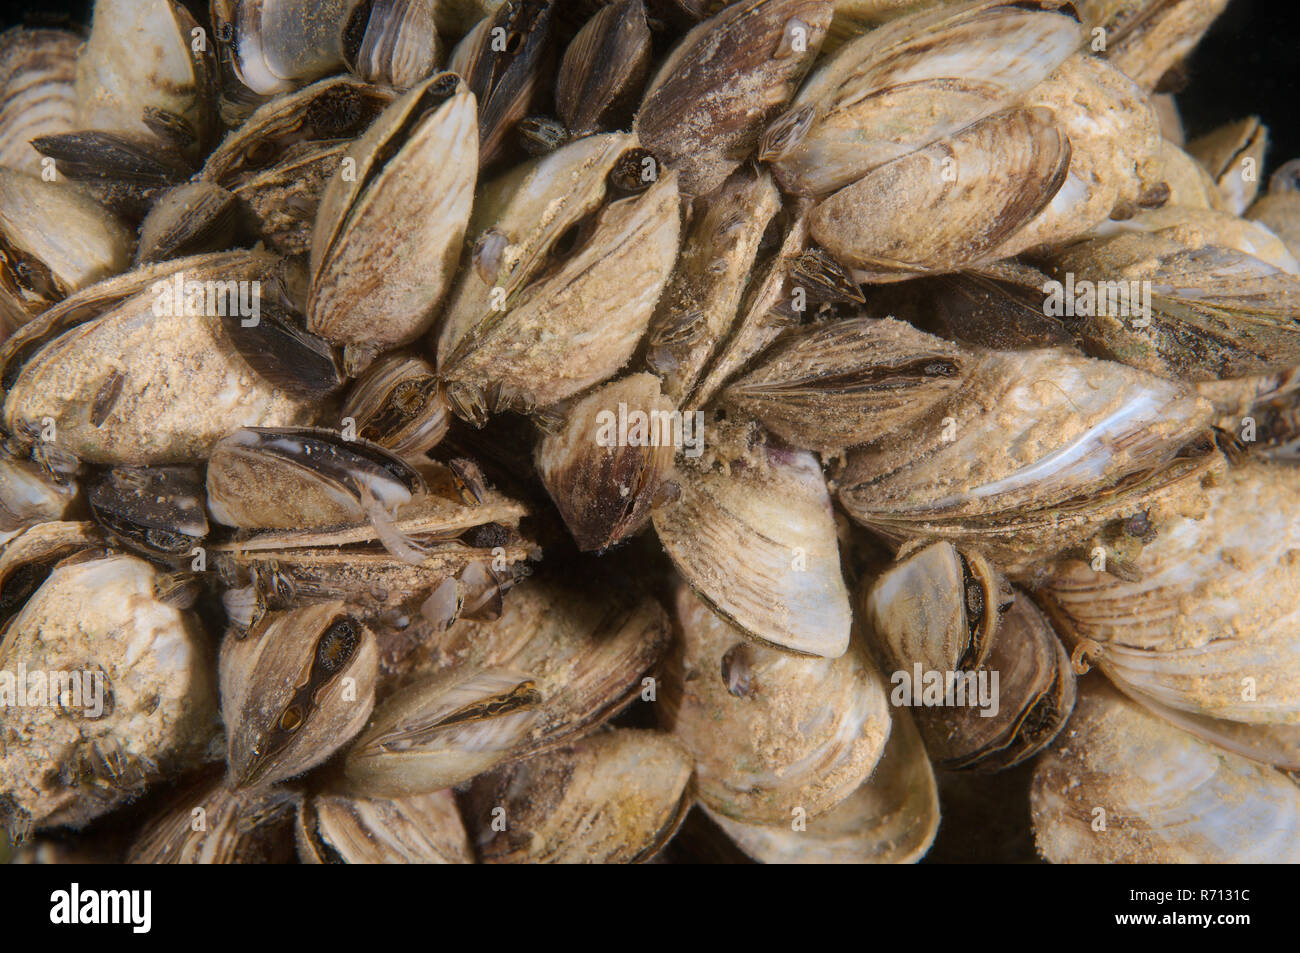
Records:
x=122, y=81
x=1204, y=614
x=706, y=106
x=773, y=735
x=912, y=81
x=158, y=511
x=505, y=60
x=847, y=383
x=551, y=668
x=37, y=92
x=155, y=715
x=603, y=68
x=340, y=107
x=1123, y=786
x=579, y=275
x=613, y=798
x=112, y=386
x=891, y=818
x=284, y=478
x=983, y=183
x=294, y=691
x=754, y=535
x=238, y=827
x=54, y=241
x=405, y=205
x=399, y=45
x=398, y=403
x=698, y=308
x=424, y=829
x=604, y=491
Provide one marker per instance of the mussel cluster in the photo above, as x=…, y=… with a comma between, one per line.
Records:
x=619, y=430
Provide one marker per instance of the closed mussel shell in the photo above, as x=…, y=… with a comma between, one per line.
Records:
x=123, y=717
x=388, y=234
x=705, y=108
x=847, y=383
x=753, y=533
x=112, y=386
x=612, y=798
x=1123, y=786
x=551, y=668
x=891, y=818
x=423, y=829
x=603, y=482
x=775, y=737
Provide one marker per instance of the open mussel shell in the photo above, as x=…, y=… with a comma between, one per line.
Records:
x=399, y=404
x=603, y=68
x=55, y=241
x=110, y=385
x=422, y=829
x=1034, y=455
x=891, y=818
x=294, y=690
x=388, y=234
x=549, y=669
x=209, y=822
x=570, y=256
x=698, y=308
x=38, y=95
x=754, y=534
x=505, y=60
x=604, y=483
x=158, y=511
x=705, y=108
x=1123, y=786
x=462, y=551
x=125, y=717
x=612, y=798
x=913, y=81
x=134, y=87
x=775, y=737
x=340, y=107
x=949, y=618
x=1202, y=629
x=848, y=382
x=266, y=478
